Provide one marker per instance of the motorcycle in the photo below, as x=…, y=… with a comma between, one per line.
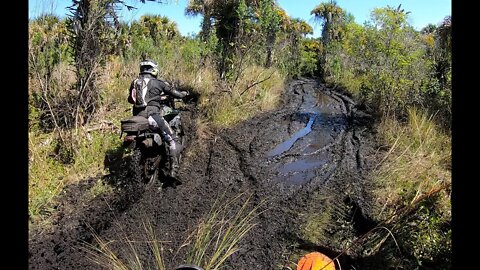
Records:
x=148, y=152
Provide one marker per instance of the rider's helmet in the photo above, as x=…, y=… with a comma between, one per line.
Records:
x=149, y=66
x=315, y=260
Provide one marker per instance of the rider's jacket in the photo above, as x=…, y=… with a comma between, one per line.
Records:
x=146, y=90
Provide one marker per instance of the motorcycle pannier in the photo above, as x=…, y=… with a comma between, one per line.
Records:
x=134, y=123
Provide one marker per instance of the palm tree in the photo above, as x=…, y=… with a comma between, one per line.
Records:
x=159, y=27
x=224, y=16
x=330, y=15
x=297, y=28
x=202, y=7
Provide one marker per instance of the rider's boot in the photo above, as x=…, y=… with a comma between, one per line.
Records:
x=174, y=151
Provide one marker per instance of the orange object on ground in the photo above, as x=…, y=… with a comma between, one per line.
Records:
x=315, y=261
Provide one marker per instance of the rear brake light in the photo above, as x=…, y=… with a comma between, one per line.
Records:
x=129, y=138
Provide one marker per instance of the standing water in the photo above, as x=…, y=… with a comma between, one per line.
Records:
x=302, y=157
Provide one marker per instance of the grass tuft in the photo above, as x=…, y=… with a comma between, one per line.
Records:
x=413, y=190
x=417, y=162
x=101, y=253
x=213, y=241
x=217, y=237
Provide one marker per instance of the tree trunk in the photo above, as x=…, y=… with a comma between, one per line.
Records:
x=271, y=37
x=206, y=26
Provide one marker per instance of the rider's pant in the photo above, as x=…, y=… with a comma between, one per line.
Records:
x=154, y=113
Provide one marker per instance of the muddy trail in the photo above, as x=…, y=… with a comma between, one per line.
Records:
x=306, y=165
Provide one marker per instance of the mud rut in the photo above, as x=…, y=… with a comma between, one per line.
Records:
x=312, y=155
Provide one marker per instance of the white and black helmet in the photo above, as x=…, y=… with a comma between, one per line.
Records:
x=149, y=66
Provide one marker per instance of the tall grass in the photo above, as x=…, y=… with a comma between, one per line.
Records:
x=413, y=189
x=61, y=157
x=217, y=237
x=48, y=175
x=213, y=241
x=418, y=161
x=257, y=89
x=114, y=82
x=103, y=255
x=45, y=175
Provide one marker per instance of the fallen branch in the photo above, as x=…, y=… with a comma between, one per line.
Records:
x=102, y=126
x=255, y=83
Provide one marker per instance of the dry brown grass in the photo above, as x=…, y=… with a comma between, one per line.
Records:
x=257, y=90
x=418, y=161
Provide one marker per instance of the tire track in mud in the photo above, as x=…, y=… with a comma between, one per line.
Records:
x=330, y=161
x=344, y=168
x=75, y=220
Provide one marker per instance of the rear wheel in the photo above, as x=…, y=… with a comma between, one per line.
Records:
x=152, y=166
x=136, y=166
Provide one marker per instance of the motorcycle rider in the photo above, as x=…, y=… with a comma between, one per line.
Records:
x=151, y=98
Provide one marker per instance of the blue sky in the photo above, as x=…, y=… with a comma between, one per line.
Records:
x=422, y=13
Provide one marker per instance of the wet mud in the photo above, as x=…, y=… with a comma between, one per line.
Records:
x=310, y=157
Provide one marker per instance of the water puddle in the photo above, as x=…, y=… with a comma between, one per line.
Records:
x=301, y=165
x=299, y=178
x=307, y=146
x=286, y=145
